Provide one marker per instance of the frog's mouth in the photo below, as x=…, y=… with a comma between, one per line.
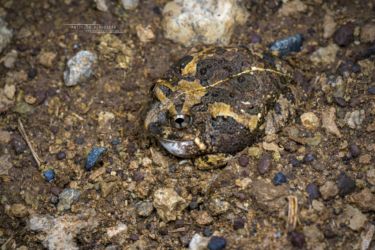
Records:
x=183, y=149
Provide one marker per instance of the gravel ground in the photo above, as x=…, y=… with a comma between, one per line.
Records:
x=81, y=93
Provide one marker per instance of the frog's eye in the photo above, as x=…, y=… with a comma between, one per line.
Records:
x=181, y=121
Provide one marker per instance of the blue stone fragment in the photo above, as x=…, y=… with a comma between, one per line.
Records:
x=93, y=157
x=279, y=179
x=49, y=175
x=287, y=45
x=217, y=243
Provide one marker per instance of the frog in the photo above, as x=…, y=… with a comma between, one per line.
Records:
x=215, y=102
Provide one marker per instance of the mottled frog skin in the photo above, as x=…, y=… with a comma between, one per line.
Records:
x=218, y=101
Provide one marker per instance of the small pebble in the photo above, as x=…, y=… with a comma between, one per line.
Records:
x=172, y=168
x=297, y=239
x=93, y=157
x=310, y=120
x=345, y=184
x=116, y=141
x=193, y=205
x=295, y=162
x=371, y=90
x=287, y=45
x=348, y=67
x=328, y=190
x=31, y=74
x=279, y=179
x=309, y=157
x=130, y=4
x=313, y=190
x=66, y=198
x=354, y=150
x=278, y=108
x=49, y=175
x=343, y=36
x=144, y=208
x=238, y=223
x=217, y=243
x=60, y=155
x=243, y=160
x=54, y=199
x=134, y=237
x=340, y=102
x=18, y=145
x=264, y=164
x=138, y=176
x=55, y=191
x=255, y=38
x=79, y=68
x=207, y=232
x=79, y=140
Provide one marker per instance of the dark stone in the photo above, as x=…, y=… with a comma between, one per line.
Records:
x=279, y=179
x=40, y=96
x=349, y=67
x=371, y=90
x=329, y=233
x=243, y=160
x=241, y=196
x=56, y=190
x=172, y=168
x=340, y=101
x=287, y=45
x=32, y=73
x=264, y=164
x=354, y=150
x=343, y=36
x=163, y=231
x=54, y=129
x=278, y=108
x=295, y=162
x=345, y=184
x=313, y=190
x=60, y=155
x=179, y=223
x=134, y=237
x=255, y=38
x=366, y=53
x=94, y=156
x=116, y=141
x=18, y=144
x=309, y=157
x=138, y=176
x=79, y=140
x=217, y=243
x=49, y=175
x=54, y=199
x=290, y=146
x=238, y=223
x=193, y=205
x=297, y=239
x=207, y=232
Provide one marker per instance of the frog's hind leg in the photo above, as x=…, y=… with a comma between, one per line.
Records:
x=212, y=161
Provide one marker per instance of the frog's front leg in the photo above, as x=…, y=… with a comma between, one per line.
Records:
x=212, y=161
x=276, y=119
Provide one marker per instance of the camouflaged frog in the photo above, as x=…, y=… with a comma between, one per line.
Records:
x=215, y=102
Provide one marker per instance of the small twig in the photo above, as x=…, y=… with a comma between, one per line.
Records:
x=26, y=138
x=78, y=116
x=292, y=213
